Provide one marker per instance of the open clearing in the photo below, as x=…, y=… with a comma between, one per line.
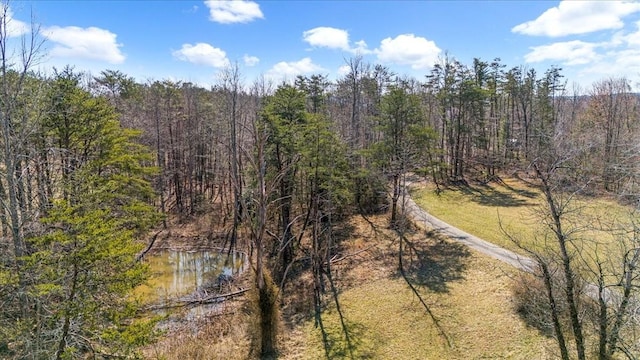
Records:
x=488, y=210
x=468, y=311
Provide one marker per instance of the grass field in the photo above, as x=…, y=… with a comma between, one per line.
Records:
x=482, y=210
x=517, y=208
x=464, y=310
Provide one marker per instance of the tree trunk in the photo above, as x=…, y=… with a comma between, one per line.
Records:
x=570, y=290
x=62, y=344
x=268, y=304
x=548, y=283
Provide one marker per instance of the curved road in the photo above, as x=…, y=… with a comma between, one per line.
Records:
x=524, y=263
x=421, y=216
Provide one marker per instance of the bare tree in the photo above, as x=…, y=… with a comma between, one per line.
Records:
x=609, y=112
x=15, y=64
x=587, y=281
x=231, y=85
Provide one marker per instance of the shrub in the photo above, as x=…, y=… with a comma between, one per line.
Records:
x=370, y=193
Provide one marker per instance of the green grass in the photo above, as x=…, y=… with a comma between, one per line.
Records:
x=481, y=209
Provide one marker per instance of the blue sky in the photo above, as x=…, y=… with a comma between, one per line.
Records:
x=194, y=40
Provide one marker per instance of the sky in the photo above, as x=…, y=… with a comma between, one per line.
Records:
x=194, y=40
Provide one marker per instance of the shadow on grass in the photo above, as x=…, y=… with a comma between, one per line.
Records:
x=431, y=263
x=500, y=195
x=359, y=345
x=298, y=287
x=531, y=194
x=434, y=263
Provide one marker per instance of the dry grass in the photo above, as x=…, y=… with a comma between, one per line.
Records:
x=468, y=315
x=463, y=308
x=221, y=336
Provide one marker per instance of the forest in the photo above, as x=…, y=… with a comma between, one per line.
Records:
x=92, y=166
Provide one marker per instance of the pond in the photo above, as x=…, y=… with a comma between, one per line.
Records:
x=176, y=273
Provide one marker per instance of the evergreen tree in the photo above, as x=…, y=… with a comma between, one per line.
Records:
x=403, y=127
x=81, y=263
x=285, y=116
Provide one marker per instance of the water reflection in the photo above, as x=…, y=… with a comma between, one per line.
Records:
x=177, y=273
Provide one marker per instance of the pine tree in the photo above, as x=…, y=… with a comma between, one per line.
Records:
x=81, y=263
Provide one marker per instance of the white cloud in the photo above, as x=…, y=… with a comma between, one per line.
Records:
x=202, y=54
x=617, y=56
x=334, y=38
x=233, y=11
x=632, y=39
x=15, y=27
x=327, y=37
x=623, y=63
x=574, y=52
x=191, y=10
x=250, y=60
x=344, y=70
x=289, y=70
x=587, y=62
x=622, y=57
x=578, y=17
x=361, y=48
x=408, y=49
x=84, y=43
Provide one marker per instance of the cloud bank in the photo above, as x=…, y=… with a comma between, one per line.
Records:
x=578, y=17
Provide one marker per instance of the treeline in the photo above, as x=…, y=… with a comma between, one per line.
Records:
x=76, y=194
x=89, y=164
x=461, y=122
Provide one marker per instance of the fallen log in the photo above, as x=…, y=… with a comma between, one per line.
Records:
x=185, y=302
